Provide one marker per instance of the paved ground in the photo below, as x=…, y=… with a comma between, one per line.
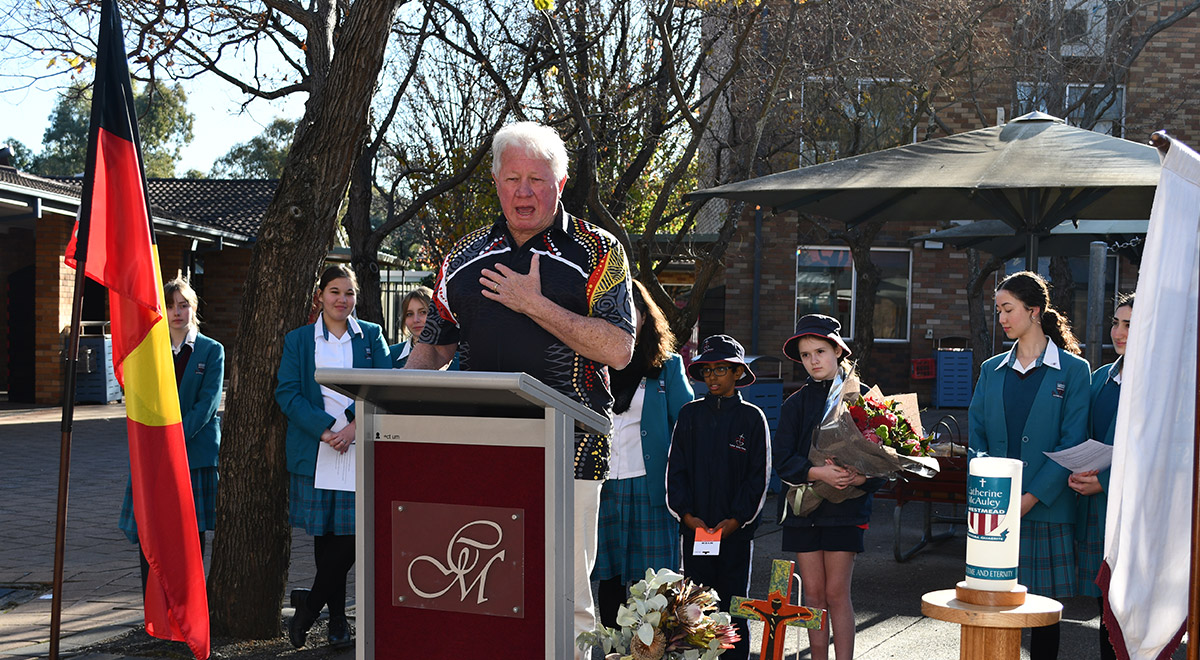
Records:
x=101, y=597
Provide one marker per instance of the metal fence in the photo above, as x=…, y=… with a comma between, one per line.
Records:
x=393, y=316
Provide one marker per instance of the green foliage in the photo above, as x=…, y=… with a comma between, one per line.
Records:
x=260, y=158
x=64, y=144
x=22, y=157
x=164, y=125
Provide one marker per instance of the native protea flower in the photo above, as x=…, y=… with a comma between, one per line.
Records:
x=656, y=649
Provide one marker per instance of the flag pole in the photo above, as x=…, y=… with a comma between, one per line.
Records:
x=1162, y=141
x=64, y=455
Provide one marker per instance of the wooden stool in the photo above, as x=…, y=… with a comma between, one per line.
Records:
x=991, y=620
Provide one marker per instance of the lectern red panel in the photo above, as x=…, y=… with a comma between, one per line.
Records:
x=465, y=475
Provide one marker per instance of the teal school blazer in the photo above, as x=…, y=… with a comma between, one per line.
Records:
x=1057, y=420
x=199, y=397
x=1100, y=500
x=660, y=408
x=299, y=395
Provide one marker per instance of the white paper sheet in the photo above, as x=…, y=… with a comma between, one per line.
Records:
x=335, y=470
x=1084, y=457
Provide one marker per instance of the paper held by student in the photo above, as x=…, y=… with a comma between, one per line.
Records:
x=335, y=469
x=1085, y=457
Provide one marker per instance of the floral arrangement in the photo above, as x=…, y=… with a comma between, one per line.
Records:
x=667, y=617
x=881, y=422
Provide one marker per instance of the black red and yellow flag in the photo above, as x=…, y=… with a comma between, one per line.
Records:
x=114, y=242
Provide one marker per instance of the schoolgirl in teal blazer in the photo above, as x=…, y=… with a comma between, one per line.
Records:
x=1030, y=400
x=635, y=529
x=299, y=395
x=199, y=365
x=1057, y=420
x=328, y=515
x=1092, y=486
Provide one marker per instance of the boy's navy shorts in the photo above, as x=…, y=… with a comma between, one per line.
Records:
x=839, y=538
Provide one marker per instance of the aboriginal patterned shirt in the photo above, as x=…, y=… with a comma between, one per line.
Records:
x=584, y=270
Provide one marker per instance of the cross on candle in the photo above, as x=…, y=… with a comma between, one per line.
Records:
x=776, y=612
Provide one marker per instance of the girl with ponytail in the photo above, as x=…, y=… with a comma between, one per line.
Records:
x=1029, y=400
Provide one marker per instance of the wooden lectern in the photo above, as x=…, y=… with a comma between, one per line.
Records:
x=465, y=525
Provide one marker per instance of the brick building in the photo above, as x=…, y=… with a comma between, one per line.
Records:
x=204, y=228
x=923, y=300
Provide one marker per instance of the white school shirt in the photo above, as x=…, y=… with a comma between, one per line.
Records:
x=335, y=353
x=625, y=455
x=190, y=340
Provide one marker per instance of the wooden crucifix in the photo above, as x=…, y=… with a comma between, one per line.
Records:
x=777, y=612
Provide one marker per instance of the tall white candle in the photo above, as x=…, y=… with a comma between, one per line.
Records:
x=993, y=523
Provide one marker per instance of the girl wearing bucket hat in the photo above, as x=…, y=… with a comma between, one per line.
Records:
x=827, y=539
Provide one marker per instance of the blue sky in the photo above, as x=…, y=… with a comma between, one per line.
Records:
x=220, y=121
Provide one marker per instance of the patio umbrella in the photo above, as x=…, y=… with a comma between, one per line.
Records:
x=1069, y=239
x=1032, y=173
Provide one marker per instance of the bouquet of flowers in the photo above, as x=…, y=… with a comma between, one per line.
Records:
x=667, y=617
x=874, y=435
x=882, y=421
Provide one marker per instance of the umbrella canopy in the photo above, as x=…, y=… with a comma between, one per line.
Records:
x=1066, y=240
x=1031, y=173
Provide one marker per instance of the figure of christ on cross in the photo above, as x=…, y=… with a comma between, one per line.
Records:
x=776, y=612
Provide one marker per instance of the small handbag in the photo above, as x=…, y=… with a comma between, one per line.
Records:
x=802, y=500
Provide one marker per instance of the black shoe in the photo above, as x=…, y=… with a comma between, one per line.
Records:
x=302, y=620
x=299, y=597
x=339, y=630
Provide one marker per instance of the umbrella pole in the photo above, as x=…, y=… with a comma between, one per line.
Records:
x=1031, y=253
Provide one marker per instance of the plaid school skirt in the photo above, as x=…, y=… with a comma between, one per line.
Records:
x=319, y=511
x=204, y=494
x=633, y=534
x=1089, y=549
x=1047, y=558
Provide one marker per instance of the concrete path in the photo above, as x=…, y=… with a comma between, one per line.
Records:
x=101, y=592
x=101, y=582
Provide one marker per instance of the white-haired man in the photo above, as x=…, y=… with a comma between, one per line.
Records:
x=542, y=292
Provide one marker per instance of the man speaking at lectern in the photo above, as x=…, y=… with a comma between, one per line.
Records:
x=544, y=293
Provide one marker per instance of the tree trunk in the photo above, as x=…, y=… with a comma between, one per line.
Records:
x=364, y=243
x=867, y=280
x=1062, y=286
x=977, y=310
x=251, y=550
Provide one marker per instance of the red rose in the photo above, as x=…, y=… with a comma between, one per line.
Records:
x=860, y=417
x=884, y=418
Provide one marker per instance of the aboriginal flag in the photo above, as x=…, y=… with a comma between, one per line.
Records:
x=115, y=242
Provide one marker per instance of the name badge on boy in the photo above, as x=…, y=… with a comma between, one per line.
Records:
x=707, y=544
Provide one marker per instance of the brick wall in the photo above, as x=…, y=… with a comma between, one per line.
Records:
x=938, y=299
x=1164, y=82
x=54, y=284
x=221, y=288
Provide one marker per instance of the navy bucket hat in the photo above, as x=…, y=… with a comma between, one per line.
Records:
x=721, y=348
x=815, y=325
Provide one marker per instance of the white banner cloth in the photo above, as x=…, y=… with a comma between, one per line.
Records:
x=1147, y=539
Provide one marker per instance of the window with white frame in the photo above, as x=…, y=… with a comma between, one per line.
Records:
x=1084, y=27
x=1109, y=109
x=826, y=284
x=1080, y=97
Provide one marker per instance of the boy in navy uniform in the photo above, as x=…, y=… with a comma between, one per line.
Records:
x=718, y=470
